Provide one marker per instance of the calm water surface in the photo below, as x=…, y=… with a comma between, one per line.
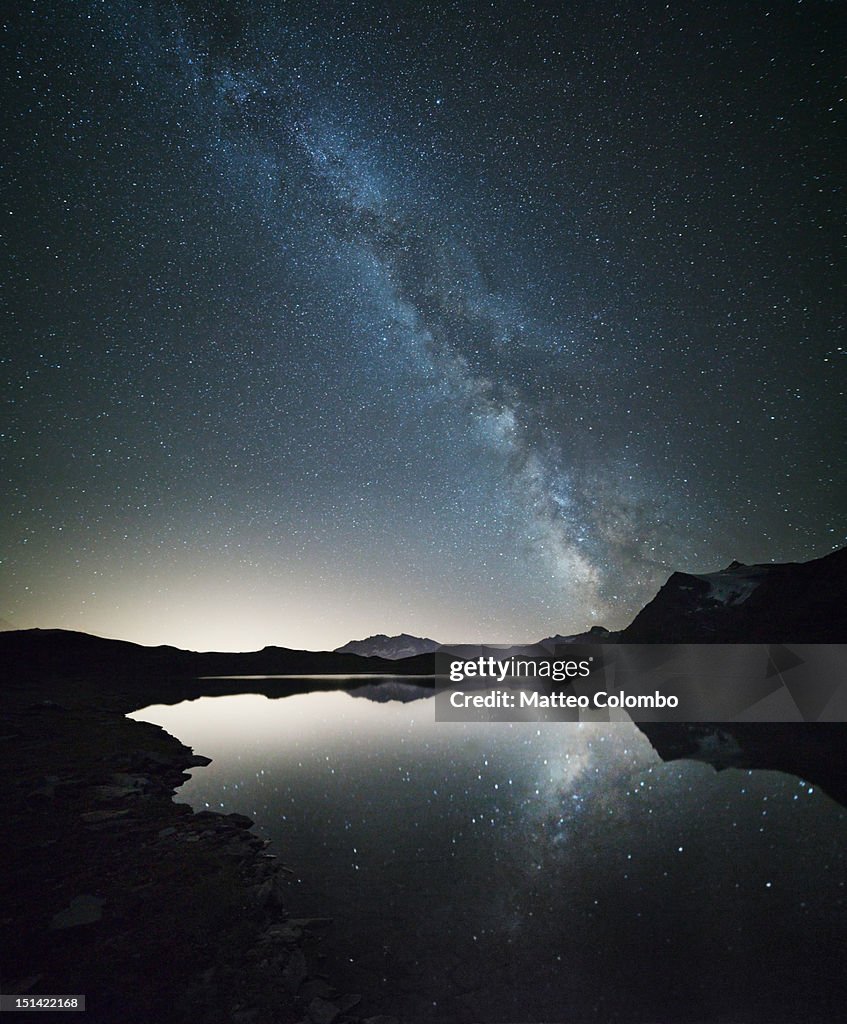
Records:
x=532, y=872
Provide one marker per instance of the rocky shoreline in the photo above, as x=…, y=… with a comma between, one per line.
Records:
x=152, y=911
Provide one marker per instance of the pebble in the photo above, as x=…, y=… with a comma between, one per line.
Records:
x=85, y=909
x=294, y=972
x=322, y=1011
x=103, y=815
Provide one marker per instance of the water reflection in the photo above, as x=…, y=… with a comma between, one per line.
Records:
x=528, y=872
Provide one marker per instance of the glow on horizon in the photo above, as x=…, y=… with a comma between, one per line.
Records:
x=206, y=610
x=233, y=619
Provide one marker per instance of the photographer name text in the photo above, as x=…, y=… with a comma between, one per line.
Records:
x=561, y=699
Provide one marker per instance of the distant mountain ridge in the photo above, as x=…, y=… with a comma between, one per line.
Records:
x=595, y=635
x=395, y=648
x=390, y=647
x=63, y=652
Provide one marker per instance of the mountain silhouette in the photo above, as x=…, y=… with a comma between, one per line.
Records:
x=391, y=647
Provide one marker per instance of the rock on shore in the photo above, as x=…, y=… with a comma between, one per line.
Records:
x=114, y=891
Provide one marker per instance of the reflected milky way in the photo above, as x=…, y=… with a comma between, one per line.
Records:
x=517, y=871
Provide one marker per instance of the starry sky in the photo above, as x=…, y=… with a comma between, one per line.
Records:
x=467, y=320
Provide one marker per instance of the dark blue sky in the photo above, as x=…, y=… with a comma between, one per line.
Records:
x=472, y=321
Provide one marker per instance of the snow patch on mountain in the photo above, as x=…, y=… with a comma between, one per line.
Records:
x=734, y=585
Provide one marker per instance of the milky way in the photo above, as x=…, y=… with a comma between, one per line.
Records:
x=471, y=322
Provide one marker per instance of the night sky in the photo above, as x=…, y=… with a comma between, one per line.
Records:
x=473, y=321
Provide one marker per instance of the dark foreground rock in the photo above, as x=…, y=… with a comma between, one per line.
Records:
x=112, y=890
